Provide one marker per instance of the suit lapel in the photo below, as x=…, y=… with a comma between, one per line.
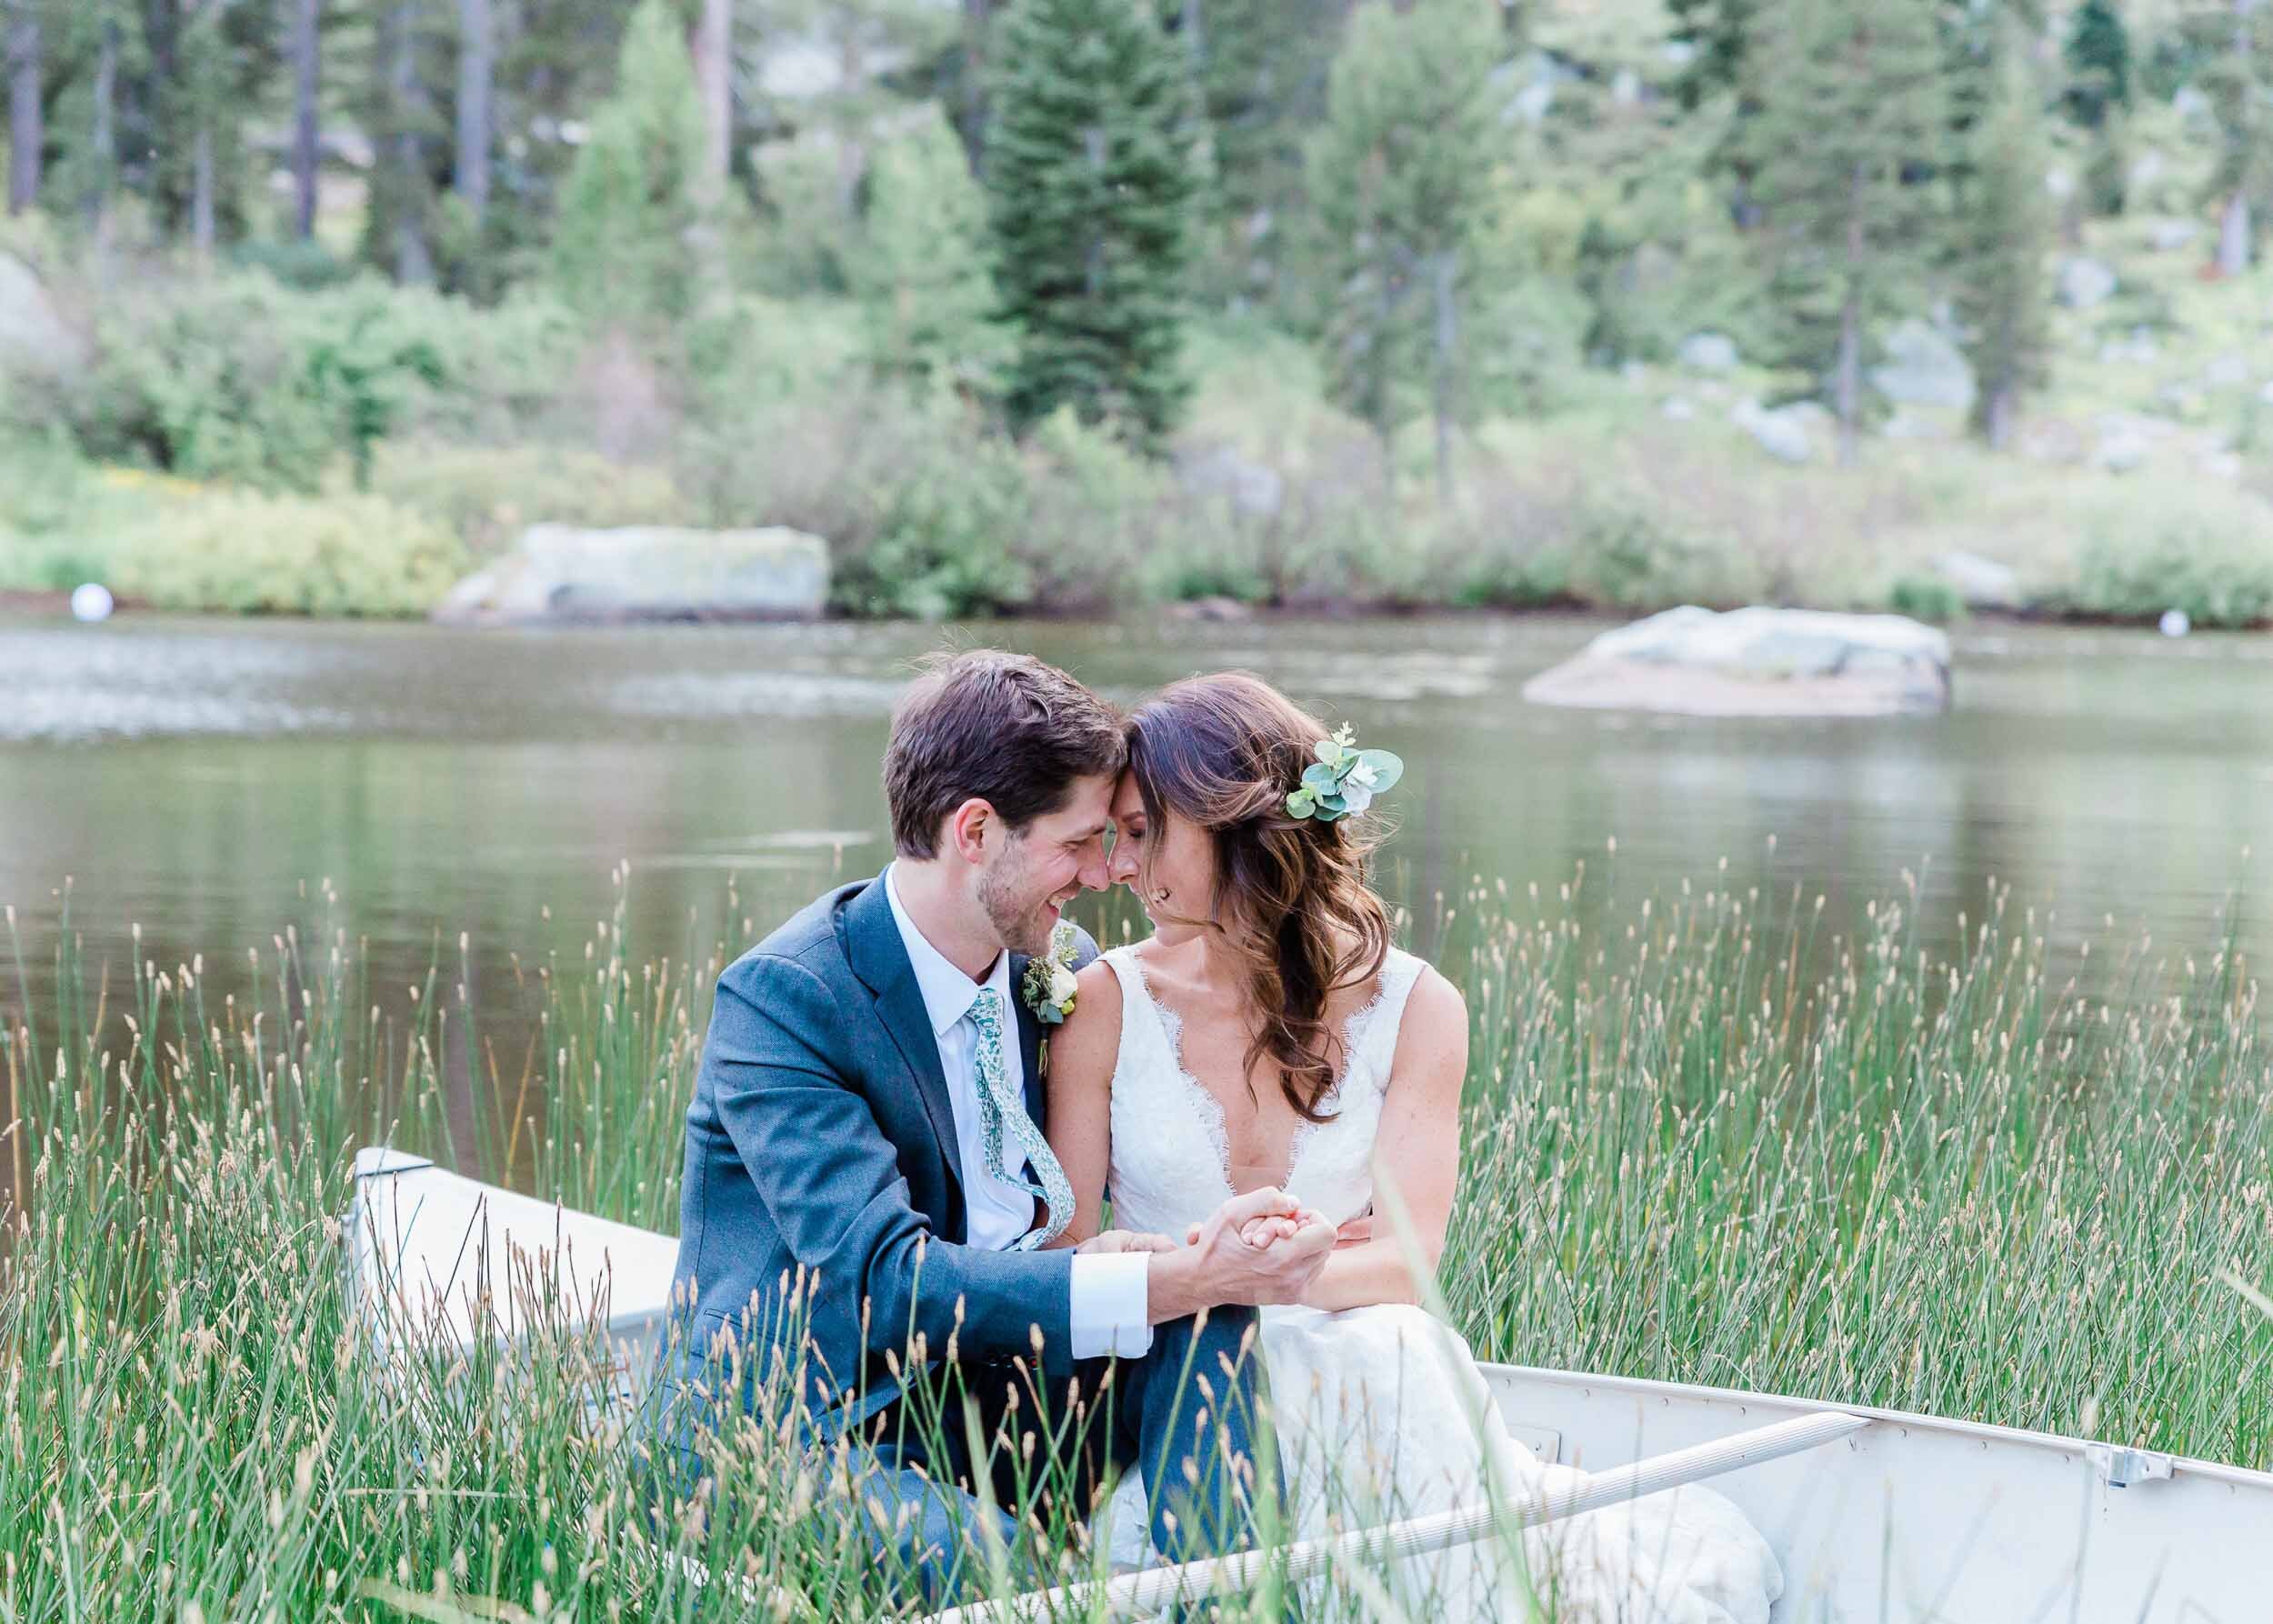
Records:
x=1029, y=1043
x=872, y=944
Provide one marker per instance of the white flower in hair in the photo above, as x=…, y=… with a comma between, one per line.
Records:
x=1343, y=779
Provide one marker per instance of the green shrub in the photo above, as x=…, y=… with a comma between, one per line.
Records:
x=256, y=554
x=1096, y=511
x=239, y=378
x=1515, y=580
x=1628, y=551
x=628, y=244
x=2202, y=549
x=305, y=264
x=485, y=495
x=920, y=503
x=1926, y=597
x=922, y=264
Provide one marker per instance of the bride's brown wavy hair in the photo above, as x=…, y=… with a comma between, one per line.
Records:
x=1225, y=752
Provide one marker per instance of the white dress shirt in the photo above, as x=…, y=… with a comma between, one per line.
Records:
x=1110, y=1292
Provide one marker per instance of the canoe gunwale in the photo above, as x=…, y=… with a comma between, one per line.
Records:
x=1987, y=1434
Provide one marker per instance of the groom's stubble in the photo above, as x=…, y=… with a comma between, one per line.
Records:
x=1016, y=903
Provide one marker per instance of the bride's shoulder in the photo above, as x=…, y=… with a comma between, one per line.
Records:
x=1083, y=1051
x=1098, y=991
x=1101, y=972
x=1434, y=1012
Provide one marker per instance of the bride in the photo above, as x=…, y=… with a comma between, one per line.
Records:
x=1269, y=1033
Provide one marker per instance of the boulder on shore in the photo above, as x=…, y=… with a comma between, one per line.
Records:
x=557, y=573
x=1708, y=352
x=1924, y=369
x=1782, y=432
x=2085, y=282
x=1757, y=662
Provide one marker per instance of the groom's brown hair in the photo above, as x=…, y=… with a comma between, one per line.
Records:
x=1004, y=728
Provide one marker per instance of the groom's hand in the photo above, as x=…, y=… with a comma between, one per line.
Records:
x=1126, y=1240
x=1221, y=1266
x=1264, y=1231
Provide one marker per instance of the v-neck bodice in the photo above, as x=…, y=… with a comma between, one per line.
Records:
x=1171, y=1156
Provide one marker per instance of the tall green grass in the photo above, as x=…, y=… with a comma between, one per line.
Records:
x=1712, y=1141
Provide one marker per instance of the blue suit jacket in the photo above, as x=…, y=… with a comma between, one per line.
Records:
x=822, y=1207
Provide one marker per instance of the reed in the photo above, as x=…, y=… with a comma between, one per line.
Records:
x=1719, y=1138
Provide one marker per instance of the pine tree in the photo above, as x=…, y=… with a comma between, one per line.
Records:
x=1850, y=120
x=554, y=61
x=1091, y=171
x=2099, y=59
x=1261, y=67
x=630, y=217
x=2236, y=38
x=921, y=265
x=409, y=135
x=1714, y=31
x=2003, y=227
x=1402, y=177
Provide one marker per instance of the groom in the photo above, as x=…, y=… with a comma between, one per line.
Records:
x=867, y=1183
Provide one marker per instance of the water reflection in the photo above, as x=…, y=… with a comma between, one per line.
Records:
x=202, y=778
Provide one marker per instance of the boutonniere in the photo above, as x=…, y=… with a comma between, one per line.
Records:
x=1048, y=985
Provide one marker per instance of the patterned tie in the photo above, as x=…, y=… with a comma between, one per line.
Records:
x=1001, y=1114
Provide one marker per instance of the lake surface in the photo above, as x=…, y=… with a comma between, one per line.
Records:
x=202, y=778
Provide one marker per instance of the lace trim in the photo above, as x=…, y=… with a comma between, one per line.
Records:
x=1211, y=1112
x=1353, y=1031
x=1210, y=1107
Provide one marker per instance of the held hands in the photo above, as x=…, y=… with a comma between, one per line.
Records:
x=1125, y=1240
x=1262, y=1248
x=1262, y=1231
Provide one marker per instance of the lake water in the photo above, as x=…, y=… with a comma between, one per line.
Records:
x=202, y=778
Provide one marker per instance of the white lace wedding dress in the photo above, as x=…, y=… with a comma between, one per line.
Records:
x=1380, y=1412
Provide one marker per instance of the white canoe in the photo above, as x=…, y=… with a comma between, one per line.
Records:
x=1911, y=1518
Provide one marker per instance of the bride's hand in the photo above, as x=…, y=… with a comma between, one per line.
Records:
x=1263, y=1232
x=1126, y=1240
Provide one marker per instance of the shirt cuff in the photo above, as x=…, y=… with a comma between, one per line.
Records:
x=1111, y=1304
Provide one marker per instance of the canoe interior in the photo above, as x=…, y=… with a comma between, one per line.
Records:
x=1914, y=1519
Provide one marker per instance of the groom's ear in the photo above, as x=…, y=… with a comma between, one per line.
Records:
x=968, y=826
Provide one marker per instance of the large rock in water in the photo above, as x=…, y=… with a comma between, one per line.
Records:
x=1757, y=662
x=558, y=573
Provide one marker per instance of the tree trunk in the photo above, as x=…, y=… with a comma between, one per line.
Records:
x=1448, y=339
x=26, y=132
x=1998, y=417
x=2233, y=236
x=472, y=174
x=104, y=137
x=1848, y=386
x=714, y=79
x=414, y=260
x=306, y=152
x=852, y=147
x=1378, y=401
x=201, y=182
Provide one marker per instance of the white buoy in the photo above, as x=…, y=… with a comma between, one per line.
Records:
x=92, y=601
x=2173, y=623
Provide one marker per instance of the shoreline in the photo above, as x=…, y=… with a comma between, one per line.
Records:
x=1186, y=612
